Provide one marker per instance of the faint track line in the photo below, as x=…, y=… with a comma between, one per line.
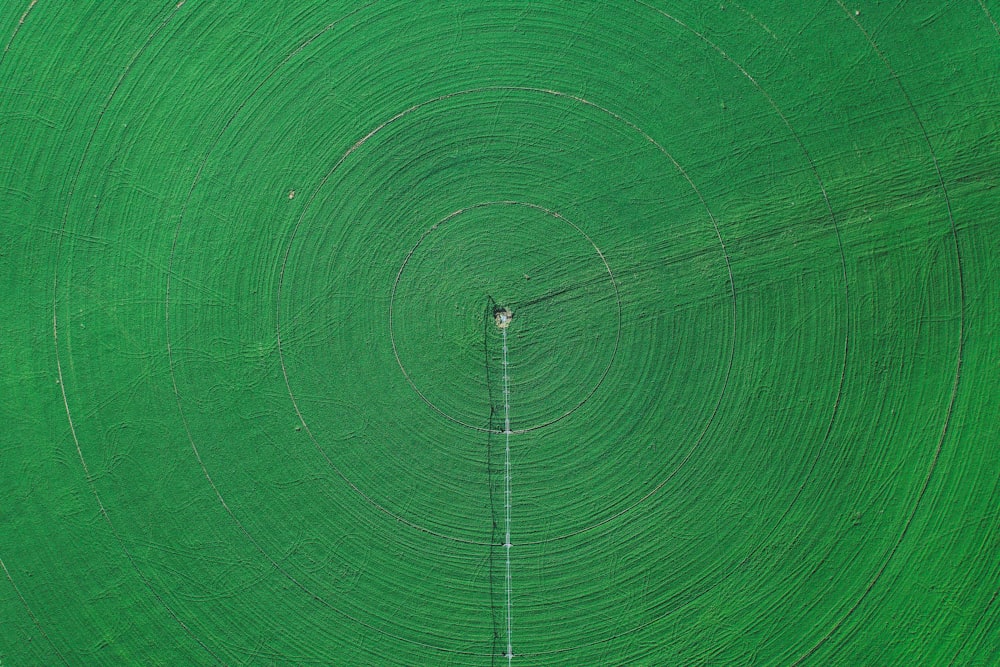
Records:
x=729, y=365
x=996, y=593
x=31, y=614
x=959, y=352
x=55, y=336
x=547, y=211
x=172, y=365
x=843, y=261
x=506, y=89
x=990, y=17
x=20, y=23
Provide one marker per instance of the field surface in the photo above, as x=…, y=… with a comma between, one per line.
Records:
x=258, y=408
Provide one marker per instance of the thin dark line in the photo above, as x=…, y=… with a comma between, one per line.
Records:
x=490, y=477
x=173, y=251
x=511, y=202
x=958, y=364
x=34, y=619
x=55, y=335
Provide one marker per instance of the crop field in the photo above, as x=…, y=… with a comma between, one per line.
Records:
x=632, y=332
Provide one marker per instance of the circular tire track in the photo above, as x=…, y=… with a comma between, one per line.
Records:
x=641, y=550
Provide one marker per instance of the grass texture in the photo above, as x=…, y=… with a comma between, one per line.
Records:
x=254, y=395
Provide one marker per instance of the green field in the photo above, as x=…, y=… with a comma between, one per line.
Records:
x=256, y=407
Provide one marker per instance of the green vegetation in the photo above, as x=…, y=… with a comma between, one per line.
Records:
x=253, y=385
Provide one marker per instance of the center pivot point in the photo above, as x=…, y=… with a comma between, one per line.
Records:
x=502, y=317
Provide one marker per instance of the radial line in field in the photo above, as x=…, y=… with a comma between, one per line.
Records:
x=506, y=430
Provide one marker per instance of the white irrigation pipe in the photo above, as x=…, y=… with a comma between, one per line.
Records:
x=506, y=430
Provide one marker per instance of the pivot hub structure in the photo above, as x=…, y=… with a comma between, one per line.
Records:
x=502, y=317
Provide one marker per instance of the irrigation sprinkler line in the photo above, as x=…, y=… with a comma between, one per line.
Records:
x=506, y=430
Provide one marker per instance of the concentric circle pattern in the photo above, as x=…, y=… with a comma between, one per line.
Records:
x=497, y=248
x=395, y=333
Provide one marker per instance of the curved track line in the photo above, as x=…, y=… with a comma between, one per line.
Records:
x=647, y=137
x=556, y=215
x=840, y=246
x=843, y=261
x=996, y=594
x=20, y=23
x=55, y=338
x=959, y=352
x=700, y=438
x=172, y=364
x=990, y=17
x=34, y=619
